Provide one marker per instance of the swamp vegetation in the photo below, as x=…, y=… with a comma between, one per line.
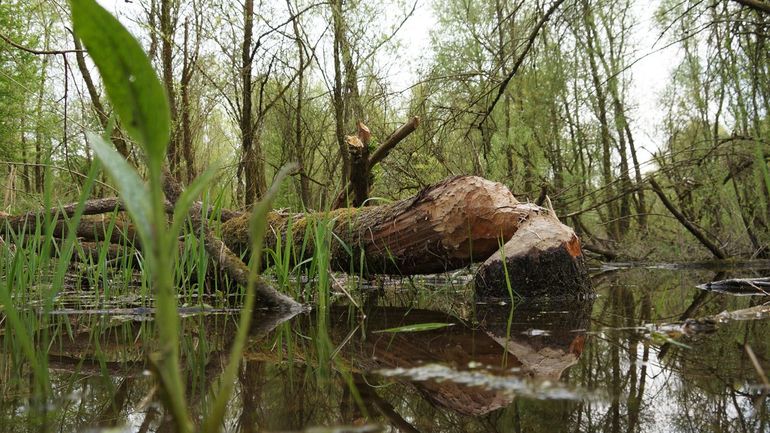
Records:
x=304, y=216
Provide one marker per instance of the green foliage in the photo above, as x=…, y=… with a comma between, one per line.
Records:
x=19, y=73
x=139, y=100
x=131, y=187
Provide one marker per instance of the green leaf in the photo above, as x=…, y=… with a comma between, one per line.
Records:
x=129, y=79
x=132, y=190
x=258, y=223
x=415, y=328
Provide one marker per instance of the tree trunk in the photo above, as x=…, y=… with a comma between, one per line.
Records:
x=543, y=258
x=601, y=111
x=246, y=124
x=358, y=147
x=446, y=226
x=337, y=100
x=188, y=69
x=167, y=30
x=459, y=221
x=298, y=148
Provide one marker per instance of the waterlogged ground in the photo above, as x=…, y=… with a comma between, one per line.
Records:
x=651, y=353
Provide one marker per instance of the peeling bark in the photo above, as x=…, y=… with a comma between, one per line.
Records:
x=457, y=222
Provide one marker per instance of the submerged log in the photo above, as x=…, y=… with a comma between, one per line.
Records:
x=543, y=258
x=739, y=286
x=446, y=226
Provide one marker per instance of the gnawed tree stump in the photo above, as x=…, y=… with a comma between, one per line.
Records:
x=543, y=258
x=446, y=226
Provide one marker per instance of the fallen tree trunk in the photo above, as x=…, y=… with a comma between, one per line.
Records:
x=446, y=226
x=715, y=249
x=266, y=294
x=739, y=286
x=457, y=222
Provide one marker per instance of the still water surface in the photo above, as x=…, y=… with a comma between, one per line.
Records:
x=651, y=353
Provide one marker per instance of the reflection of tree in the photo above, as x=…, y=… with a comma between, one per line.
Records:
x=281, y=386
x=715, y=378
x=696, y=389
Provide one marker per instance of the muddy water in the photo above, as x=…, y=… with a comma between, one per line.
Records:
x=650, y=353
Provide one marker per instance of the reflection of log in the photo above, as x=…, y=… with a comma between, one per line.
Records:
x=503, y=348
x=542, y=258
x=507, y=349
x=546, y=337
x=444, y=227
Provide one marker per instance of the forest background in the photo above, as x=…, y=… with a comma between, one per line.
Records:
x=643, y=122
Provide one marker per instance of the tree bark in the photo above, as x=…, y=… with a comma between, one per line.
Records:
x=543, y=258
x=457, y=222
x=358, y=146
x=167, y=30
x=248, y=154
x=601, y=111
x=266, y=295
x=446, y=226
x=337, y=99
x=188, y=69
x=299, y=151
x=376, y=157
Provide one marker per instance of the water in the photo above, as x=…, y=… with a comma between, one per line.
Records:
x=651, y=353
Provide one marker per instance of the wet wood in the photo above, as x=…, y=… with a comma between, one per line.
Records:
x=91, y=228
x=739, y=286
x=450, y=225
x=543, y=258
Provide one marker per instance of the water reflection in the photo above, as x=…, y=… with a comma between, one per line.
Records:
x=609, y=364
x=476, y=369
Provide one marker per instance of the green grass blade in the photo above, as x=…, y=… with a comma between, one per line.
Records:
x=227, y=379
x=132, y=190
x=187, y=198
